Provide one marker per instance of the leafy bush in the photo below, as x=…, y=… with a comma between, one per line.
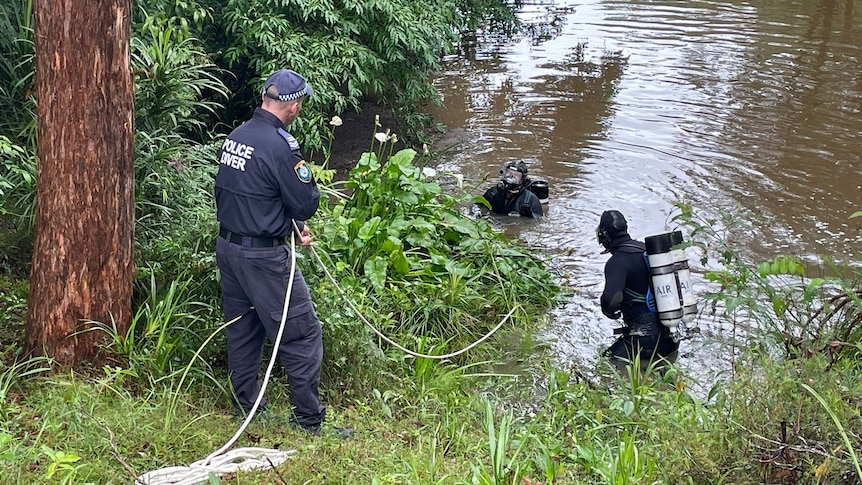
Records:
x=17, y=206
x=410, y=254
x=778, y=309
x=17, y=103
x=384, y=50
x=176, y=225
x=175, y=82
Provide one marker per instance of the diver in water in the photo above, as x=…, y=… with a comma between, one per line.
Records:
x=627, y=280
x=511, y=195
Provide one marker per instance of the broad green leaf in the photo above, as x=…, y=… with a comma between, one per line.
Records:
x=375, y=271
x=369, y=229
x=399, y=262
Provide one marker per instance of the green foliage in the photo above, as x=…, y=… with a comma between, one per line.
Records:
x=175, y=86
x=808, y=432
x=804, y=313
x=188, y=16
x=505, y=469
x=411, y=255
x=17, y=103
x=498, y=17
x=11, y=376
x=176, y=223
x=164, y=332
x=17, y=204
x=620, y=463
x=347, y=50
x=13, y=310
x=421, y=420
x=843, y=432
x=382, y=50
x=61, y=466
x=797, y=329
x=18, y=175
x=175, y=81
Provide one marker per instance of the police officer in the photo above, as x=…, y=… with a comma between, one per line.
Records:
x=262, y=188
x=627, y=279
x=510, y=196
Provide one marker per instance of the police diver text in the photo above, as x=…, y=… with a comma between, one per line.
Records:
x=234, y=154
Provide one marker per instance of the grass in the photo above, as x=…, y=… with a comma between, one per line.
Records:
x=422, y=421
x=78, y=428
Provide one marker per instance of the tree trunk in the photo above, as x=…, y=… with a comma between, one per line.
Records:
x=82, y=259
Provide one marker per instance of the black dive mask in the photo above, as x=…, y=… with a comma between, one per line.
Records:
x=512, y=179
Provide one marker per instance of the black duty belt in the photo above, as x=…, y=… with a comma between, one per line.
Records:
x=255, y=242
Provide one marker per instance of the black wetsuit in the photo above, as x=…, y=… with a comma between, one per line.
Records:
x=626, y=284
x=525, y=204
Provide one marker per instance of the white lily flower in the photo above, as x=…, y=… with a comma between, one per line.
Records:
x=335, y=121
x=428, y=172
x=394, y=138
x=376, y=120
x=460, y=179
x=381, y=137
x=425, y=148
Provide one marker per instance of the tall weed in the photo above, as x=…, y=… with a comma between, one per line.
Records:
x=841, y=430
x=163, y=333
x=11, y=376
x=796, y=330
x=505, y=468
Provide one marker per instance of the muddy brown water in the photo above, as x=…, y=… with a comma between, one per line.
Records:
x=632, y=105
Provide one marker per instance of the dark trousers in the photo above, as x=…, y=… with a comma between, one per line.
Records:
x=254, y=283
x=651, y=342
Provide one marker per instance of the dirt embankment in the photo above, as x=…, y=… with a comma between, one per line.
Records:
x=353, y=137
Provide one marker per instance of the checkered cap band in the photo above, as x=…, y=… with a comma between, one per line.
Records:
x=292, y=96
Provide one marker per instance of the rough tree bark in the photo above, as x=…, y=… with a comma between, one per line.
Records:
x=82, y=259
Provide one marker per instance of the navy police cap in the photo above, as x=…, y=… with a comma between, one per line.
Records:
x=291, y=86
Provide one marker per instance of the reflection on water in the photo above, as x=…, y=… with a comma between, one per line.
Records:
x=631, y=105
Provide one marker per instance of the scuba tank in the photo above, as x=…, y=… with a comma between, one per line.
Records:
x=689, y=303
x=663, y=277
x=539, y=188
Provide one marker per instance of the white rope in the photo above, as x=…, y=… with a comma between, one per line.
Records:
x=392, y=342
x=229, y=462
x=221, y=462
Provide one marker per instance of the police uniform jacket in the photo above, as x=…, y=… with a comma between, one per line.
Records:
x=263, y=182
